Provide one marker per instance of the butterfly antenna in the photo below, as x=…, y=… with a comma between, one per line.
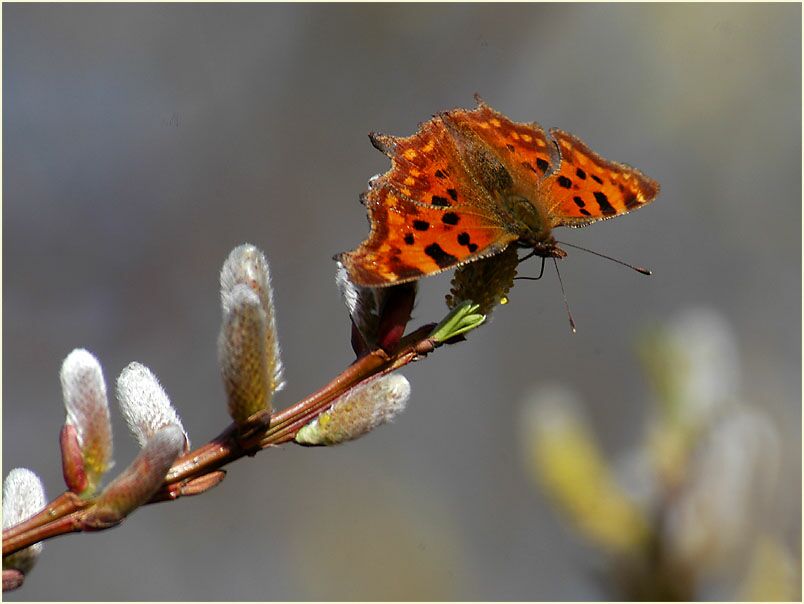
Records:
x=638, y=269
x=563, y=293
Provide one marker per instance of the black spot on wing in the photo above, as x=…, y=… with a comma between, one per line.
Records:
x=631, y=201
x=604, y=204
x=421, y=225
x=465, y=240
x=404, y=271
x=441, y=258
x=450, y=218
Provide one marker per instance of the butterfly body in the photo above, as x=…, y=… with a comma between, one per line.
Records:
x=468, y=184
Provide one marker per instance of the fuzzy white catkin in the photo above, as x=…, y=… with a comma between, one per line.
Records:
x=246, y=264
x=144, y=404
x=242, y=355
x=359, y=411
x=708, y=353
x=731, y=483
x=23, y=496
x=87, y=408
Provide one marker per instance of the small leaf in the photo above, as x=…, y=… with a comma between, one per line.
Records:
x=459, y=321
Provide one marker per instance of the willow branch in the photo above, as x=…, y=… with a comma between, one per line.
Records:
x=200, y=470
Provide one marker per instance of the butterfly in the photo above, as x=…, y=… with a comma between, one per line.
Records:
x=470, y=183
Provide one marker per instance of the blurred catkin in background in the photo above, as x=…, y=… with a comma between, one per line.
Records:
x=692, y=508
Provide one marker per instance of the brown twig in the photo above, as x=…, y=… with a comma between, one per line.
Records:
x=64, y=504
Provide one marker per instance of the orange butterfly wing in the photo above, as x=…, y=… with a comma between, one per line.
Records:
x=446, y=199
x=526, y=151
x=426, y=213
x=587, y=188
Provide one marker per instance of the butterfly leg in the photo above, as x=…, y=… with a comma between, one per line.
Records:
x=541, y=271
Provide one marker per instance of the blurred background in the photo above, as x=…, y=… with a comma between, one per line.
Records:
x=143, y=142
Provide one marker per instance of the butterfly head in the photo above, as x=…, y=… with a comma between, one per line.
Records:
x=544, y=249
x=548, y=249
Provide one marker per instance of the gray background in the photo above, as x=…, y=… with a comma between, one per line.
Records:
x=142, y=142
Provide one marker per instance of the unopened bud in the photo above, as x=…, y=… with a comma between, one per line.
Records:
x=363, y=304
x=380, y=314
x=87, y=408
x=72, y=460
x=138, y=482
x=12, y=579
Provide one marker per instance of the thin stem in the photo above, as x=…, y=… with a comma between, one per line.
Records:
x=61, y=506
x=62, y=526
x=226, y=448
